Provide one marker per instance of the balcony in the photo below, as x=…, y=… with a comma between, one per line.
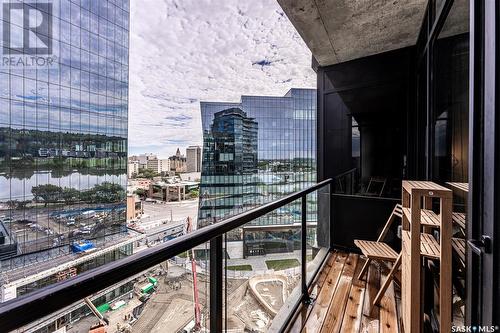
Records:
x=195, y=281
x=405, y=90
x=286, y=282
x=343, y=303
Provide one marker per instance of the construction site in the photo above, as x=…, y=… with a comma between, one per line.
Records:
x=167, y=299
x=174, y=297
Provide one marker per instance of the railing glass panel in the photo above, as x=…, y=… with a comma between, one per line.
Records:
x=246, y=273
x=163, y=298
x=262, y=268
x=318, y=229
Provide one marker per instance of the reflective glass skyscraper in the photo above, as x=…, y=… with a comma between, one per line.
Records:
x=284, y=144
x=63, y=135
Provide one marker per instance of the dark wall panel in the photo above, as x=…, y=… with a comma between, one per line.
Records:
x=376, y=91
x=337, y=143
x=358, y=217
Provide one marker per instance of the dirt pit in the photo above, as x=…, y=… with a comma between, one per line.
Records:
x=272, y=292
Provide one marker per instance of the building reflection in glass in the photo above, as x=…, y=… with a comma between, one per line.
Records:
x=257, y=151
x=63, y=142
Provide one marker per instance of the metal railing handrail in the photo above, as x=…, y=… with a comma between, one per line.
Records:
x=38, y=304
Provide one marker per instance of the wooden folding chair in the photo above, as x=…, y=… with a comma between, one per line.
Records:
x=379, y=250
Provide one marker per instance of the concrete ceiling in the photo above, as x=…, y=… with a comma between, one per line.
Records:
x=457, y=21
x=341, y=30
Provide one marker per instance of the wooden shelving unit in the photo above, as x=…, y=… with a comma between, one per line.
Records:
x=417, y=197
x=459, y=245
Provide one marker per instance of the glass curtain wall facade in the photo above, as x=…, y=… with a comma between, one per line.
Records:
x=63, y=138
x=285, y=147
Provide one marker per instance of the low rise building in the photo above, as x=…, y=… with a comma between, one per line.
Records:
x=142, y=159
x=134, y=207
x=190, y=176
x=172, y=189
x=17, y=280
x=161, y=166
x=142, y=183
x=133, y=168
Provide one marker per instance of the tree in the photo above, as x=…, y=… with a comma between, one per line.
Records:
x=194, y=193
x=104, y=193
x=140, y=192
x=16, y=204
x=70, y=195
x=147, y=173
x=48, y=193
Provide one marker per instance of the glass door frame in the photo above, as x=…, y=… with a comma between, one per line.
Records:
x=483, y=254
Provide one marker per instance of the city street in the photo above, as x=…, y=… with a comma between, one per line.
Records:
x=156, y=213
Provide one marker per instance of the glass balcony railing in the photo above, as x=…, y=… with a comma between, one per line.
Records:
x=235, y=275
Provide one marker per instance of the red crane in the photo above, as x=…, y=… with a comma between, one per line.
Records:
x=197, y=311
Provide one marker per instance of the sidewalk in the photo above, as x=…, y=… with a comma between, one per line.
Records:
x=258, y=263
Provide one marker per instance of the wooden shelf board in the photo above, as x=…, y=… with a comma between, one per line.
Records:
x=376, y=250
x=459, y=219
x=430, y=219
x=464, y=187
x=429, y=247
x=458, y=245
x=427, y=217
x=426, y=188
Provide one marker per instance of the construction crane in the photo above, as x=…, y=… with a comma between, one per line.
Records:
x=197, y=311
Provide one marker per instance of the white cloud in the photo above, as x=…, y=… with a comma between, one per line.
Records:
x=185, y=51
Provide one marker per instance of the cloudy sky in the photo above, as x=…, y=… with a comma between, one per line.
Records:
x=184, y=51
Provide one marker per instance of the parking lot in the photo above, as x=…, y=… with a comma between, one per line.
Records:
x=37, y=228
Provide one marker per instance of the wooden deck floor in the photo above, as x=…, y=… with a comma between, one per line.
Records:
x=342, y=302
